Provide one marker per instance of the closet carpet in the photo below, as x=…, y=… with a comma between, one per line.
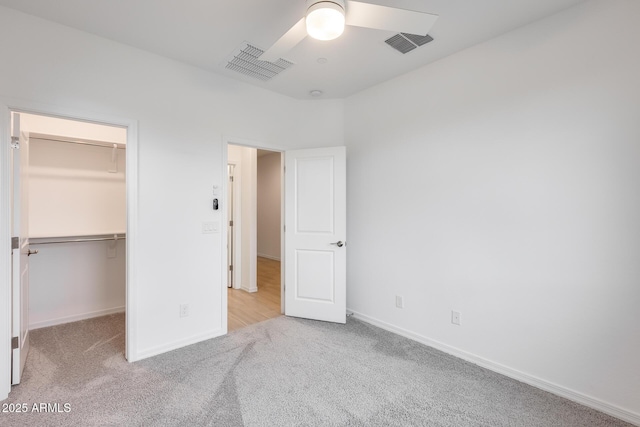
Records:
x=281, y=372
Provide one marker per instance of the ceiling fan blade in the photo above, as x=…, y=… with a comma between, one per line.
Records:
x=285, y=43
x=388, y=18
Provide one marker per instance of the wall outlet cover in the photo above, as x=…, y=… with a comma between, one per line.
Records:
x=399, y=301
x=455, y=317
x=184, y=310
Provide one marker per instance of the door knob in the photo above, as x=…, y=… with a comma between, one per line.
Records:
x=30, y=252
x=338, y=243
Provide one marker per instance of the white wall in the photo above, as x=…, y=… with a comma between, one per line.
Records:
x=269, y=205
x=72, y=192
x=74, y=281
x=181, y=114
x=502, y=182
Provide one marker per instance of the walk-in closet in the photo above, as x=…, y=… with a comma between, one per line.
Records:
x=77, y=220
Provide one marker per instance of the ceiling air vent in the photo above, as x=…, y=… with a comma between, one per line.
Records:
x=245, y=61
x=404, y=42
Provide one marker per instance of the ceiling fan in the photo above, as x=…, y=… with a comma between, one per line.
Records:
x=325, y=20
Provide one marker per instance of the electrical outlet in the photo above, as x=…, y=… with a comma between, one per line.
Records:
x=455, y=317
x=184, y=310
x=399, y=301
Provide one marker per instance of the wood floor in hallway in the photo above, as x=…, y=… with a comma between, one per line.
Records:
x=246, y=308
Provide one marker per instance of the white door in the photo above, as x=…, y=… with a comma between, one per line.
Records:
x=315, y=233
x=20, y=251
x=230, y=235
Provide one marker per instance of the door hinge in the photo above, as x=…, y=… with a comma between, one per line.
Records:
x=231, y=178
x=231, y=268
x=15, y=243
x=285, y=228
x=15, y=343
x=231, y=223
x=15, y=142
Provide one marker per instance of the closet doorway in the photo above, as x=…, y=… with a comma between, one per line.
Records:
x=254, y=193
x=76, y=210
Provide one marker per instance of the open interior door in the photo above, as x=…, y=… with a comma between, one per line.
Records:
x=20, y=249
x=230, y=236
x=315, y=233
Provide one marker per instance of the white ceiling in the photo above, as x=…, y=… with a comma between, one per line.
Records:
x=204, y=33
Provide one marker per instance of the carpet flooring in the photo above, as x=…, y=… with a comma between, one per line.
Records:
x=281, y=372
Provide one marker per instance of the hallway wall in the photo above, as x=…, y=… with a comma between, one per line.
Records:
x=269, y=205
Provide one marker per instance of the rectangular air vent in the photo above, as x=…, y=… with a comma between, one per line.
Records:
x=404, y=42
x=245, y=61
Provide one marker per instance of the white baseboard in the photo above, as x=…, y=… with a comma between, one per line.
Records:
x=250, y=290
x=75, y=317
x=154, y=351
x=275, y=258
x=556, y=389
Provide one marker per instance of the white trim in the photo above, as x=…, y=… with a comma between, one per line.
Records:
x=224, y=238
x=251, y=143
x=131, y=302
x=249, y=290
x=5, y=253
x=194, y=339
x=556, y=389
x=237, y=213
x=282, y=236
x=76, y=317
x=268, y=256
x=252, y=285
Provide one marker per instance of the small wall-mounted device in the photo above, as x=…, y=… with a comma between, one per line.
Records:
x=215, y=204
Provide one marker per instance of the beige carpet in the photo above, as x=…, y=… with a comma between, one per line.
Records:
x=282, y=372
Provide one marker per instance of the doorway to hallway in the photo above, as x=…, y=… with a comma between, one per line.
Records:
x=254, y=202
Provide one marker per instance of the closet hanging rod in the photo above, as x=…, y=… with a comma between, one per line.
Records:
x=76, y=239
x=70, y=140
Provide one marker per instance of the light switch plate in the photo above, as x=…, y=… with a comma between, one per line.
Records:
x=210, y=227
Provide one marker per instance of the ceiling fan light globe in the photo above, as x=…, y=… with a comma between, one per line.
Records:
x=325, y=20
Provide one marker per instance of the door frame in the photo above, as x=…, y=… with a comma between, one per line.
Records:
x=237, y=222
x=243, y=142
x=20, y=106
